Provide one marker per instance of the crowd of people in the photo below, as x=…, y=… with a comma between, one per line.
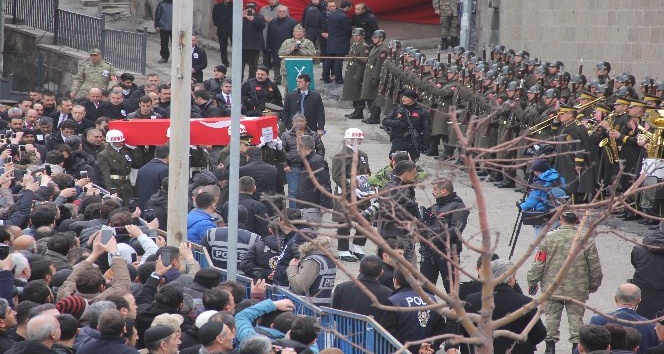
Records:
x=81, y=210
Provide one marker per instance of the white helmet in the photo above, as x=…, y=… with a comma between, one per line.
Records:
x=114, y=136
x=353, y=133
x=243, y=130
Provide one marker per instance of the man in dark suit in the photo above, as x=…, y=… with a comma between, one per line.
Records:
x=116, y=108
x=148, y=180
x=198, y=60
x=253, y=40
x=338, y=33
x=305, y=102
x=82, y=124
x=64, y=113
x=349, y=297
x=93, y=105
x=264, y=175
x=506, y=301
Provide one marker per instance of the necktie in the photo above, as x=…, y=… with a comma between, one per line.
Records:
x=228, y=100
x=62, y=118
x=302, y=96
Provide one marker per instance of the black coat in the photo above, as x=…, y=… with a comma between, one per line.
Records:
x=115, y=112
x=307, y=191
x=349, y=297
x=56, y=119
x=259, y=262
x=93, y=112
x=159, y=203
x=107, y=345
x=199, y=62
x=83, y=126
x=5, y=342
x=279, y=30
x=339, y=32
x=209, y=110
x=645, y=260
x=314, y=109
x=265, y=176
x=29, y=347
x=368, y=22
x=222, y=15
x=507, y=301
x=252, y=33
x=148, y=310
x=148, y=181
x=257, y=220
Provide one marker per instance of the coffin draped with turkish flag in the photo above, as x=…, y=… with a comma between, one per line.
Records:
x=203, y=131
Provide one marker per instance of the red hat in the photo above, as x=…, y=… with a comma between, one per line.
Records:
x=74, y=305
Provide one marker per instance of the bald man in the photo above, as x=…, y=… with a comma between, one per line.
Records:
x=42, y=332
x=627, y=298
x=25, y=242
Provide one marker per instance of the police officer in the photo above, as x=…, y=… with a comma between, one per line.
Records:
x=342, y=172
x=371, y=79
x=583, y=278
x=447, y=220
x=410, y=126
x=355, y=73
x=115, y=164
x=258, y=91
x=94, y=73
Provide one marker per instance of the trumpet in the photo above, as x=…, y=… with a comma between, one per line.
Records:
x=592, y=104
x=537, y=128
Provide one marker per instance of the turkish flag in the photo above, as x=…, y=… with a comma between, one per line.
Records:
x=203, y=131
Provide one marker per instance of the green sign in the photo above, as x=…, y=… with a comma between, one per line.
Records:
x=295, y=67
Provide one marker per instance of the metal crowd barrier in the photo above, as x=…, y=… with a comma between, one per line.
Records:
x=38, y=14
x=350, y=332
x=78, y=31
x=126, y=50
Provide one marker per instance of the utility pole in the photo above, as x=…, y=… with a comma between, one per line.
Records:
x=464, y=38
x=178, y=159
x=2, y=40
x=234, y=177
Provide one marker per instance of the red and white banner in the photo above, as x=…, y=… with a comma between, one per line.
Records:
x=204, y=131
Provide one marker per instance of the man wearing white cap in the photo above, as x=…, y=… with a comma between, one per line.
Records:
x=342, y=175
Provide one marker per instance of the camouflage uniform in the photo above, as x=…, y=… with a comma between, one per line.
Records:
x=583, y=278
x=307, y=49
x=449, y=18
x=90, y=75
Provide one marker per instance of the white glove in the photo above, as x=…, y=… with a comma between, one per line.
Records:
x=262, y=143
x=279, y=144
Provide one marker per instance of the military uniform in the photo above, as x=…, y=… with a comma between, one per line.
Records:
x=342, y=166
x=406, y=121
x=354, y=74
x=572, y=154
x=90, y=75
x=449, y=21
x=115, y=168
x=583, y=278
x=306, y=48
x=371, y=79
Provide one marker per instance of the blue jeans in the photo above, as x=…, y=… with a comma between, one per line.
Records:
x=293, y=180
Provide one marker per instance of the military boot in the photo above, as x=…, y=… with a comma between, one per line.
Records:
x=550, y=347
x=433, y=150
x=374, y=118
x=357, y=113
x=444, y=43
x=454, y=41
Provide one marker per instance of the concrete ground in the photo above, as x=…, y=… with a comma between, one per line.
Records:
x=614, y=252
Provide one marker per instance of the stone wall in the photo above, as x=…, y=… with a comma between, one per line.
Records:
x=23, y=47
x=202, y=15
x=628, y=34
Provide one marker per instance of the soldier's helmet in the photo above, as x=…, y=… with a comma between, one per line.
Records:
x=490, y=75
x=507, y=70
x=500, y=80
x=498, y=49
x=556, y=64
x=114, y=136
x=514, y=85
x=660, y=86
x=395, y=43
x=603, y=65
x=509, y=52
x=468, y=54
x=647, y=82
x=406, y=50
x=630, y=79
x=430, y=62
x=439, y=66
x=579, y=79
x=496, y=67
x=604, y=89
x=595, y=83
x=458, y=50
x=483, y=67
x=358, y=31
x=563, y=76
x=540, y=69
x=466, y=73
x=522, y=53
x=625, y=92
x=536, y=89
x=379, y=34
x=453, y=69
x=551, y=93
x=474, y=60
x=533, y=61
x=413, y=51
x=419, y=57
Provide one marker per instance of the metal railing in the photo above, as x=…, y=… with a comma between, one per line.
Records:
x=78, y=31
x=39, y=14
x=351, y=332
x=126, y=50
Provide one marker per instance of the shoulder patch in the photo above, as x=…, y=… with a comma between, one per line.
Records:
x=540, y=256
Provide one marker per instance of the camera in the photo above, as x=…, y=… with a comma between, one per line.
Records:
x=539, y=150
x=371, y=210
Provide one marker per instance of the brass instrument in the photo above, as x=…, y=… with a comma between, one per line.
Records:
x=612, y=150
x=547, y=122
x=655, y=139
x=592, y=104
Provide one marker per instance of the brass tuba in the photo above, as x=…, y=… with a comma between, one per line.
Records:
x=655, y=139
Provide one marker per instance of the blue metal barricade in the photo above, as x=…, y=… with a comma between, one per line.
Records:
x=201, y=255
x=357, y=333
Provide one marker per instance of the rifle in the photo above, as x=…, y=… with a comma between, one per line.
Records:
x=414, y=135
x=383, y=83
x=438, y=53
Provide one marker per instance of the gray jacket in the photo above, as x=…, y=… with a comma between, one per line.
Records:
x=163, y=16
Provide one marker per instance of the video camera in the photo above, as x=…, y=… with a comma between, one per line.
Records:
x=539, y=150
